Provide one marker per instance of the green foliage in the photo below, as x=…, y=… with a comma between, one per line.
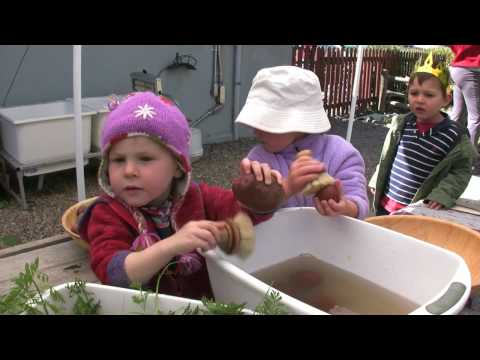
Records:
x=211, y=307
x=271, y=304
x=27, y=295
x=8, y=240
x=26, y=292
x=443, y=52
x=402, y=48
x=214, y=308
x=3, y=204
x=189, y=310
x=84, y=303
x=141, y=298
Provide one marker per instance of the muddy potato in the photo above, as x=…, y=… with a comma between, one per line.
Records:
x=257, y=195
x=328, y=192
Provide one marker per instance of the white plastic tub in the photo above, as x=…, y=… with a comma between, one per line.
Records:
x=196, y=146
x=100, y=106
x=42, y=132
x=119, y=301
x=437, y=279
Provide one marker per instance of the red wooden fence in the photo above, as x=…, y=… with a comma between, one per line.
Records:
x=336, y=69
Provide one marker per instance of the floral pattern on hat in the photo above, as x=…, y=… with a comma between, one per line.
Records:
x=145, y=112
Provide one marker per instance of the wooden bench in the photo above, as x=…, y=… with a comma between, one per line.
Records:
x=60, y=257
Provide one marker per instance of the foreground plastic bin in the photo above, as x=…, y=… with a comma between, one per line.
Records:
x=119, y=301
x=436, y=279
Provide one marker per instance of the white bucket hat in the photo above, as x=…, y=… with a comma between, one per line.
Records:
x=285, y=99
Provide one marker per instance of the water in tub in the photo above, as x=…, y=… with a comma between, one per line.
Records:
x=332, y=289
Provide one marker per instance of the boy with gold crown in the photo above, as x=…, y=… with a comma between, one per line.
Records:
x=426, y=156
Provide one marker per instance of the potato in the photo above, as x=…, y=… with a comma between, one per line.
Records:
x=256, y=195
x=328, y=192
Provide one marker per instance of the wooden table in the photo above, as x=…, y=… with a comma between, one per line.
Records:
x=466, y=212
x=61, y=258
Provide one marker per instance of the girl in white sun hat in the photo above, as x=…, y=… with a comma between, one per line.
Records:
x=285, y=108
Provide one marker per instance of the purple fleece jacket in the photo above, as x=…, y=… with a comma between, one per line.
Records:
x=341, y=159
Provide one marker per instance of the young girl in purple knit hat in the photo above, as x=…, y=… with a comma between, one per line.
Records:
x=285, y=108
x=152, y=217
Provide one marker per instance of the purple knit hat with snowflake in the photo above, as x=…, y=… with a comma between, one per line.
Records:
x=145, y=114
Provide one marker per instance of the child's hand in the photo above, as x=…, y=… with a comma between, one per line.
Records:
x=262, y=171
x=194, y=235
x=302, y=172
x=332, y=208
x=434, y=205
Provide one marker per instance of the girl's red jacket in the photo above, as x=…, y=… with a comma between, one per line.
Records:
x=109, y=228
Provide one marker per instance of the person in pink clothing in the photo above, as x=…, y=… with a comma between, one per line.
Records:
x=465, y=72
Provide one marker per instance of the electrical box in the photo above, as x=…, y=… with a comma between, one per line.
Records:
x=144, y=81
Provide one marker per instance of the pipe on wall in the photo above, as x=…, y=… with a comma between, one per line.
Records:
x=218, y=89
x=214, y=91
x=237, y=64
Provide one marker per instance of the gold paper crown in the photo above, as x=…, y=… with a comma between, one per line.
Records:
x=440, y=72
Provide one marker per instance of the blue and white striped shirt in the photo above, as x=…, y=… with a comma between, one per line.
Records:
x=417, y=155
